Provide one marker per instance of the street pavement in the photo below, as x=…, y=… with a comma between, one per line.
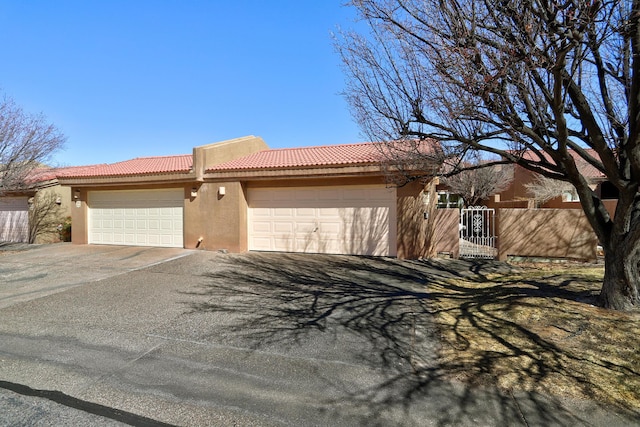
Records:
x=150, y=336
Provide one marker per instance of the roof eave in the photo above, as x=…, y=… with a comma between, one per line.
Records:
x=296, y=173
x=90, y=181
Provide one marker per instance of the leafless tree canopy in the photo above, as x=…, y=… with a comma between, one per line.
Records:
x=476, y=185
x=526, y=80
x=26, y=141
x=544, y=189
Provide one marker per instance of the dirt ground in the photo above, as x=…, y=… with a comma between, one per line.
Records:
x=537, y=328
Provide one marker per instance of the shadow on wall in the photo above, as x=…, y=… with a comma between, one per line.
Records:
x=444, y=233
x=380, y=312
x=365, y=231
x=553, y=233
x=413, y=228
x=358, y=231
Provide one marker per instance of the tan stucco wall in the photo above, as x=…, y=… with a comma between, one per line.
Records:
x=549, y=233
x=413, y=228
x=518, y=190
x=206, y=156
x=79, y=217
x=220, y=220
x=446, y=234
x=58, y=215
x=55, y=215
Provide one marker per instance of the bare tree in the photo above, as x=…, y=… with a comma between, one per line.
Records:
x=26, y=141
x=544, y=189
x=45, y=215
x=476, y=183
x=531, y=81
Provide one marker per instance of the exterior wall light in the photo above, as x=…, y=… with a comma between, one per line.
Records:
x=222, y=191
x=194, y=192
x=76, y=194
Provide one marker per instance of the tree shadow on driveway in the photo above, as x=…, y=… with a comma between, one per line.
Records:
x=380, y=313
x=286, y=299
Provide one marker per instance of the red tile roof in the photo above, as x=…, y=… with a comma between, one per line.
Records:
x=328, y=155
x=585, y=168
x=138, y=166
x=42, y=174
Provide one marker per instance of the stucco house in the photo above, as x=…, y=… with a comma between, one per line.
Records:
x=32, y=212
x=518, y=193
x=239, y=195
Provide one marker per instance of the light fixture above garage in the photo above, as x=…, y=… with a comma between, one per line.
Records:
x=194, y=192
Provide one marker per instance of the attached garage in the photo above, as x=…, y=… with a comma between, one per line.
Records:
x=137, y=217
x=350, y=220
x=14, y=219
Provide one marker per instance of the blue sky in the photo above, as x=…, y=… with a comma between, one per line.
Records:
x=125, y=79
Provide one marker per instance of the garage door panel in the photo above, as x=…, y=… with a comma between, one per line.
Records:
x=283, y=228
x=262, y=243
x=258, y=227
x=358, y=220
x=283, y=213
x=330, y=212
x=137, y=217
x=331, y=229
x=305, y=212
x=283, y=243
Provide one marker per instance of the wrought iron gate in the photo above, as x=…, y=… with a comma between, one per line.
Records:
x=477, y=232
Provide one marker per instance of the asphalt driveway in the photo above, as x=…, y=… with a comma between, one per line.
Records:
x=202, y=338
x=33, y=271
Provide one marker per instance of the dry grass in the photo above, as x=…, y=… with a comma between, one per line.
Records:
x=536, y=330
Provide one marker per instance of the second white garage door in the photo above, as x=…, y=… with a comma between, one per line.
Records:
x=333, y=220
x=14, y=219
x=137, y=217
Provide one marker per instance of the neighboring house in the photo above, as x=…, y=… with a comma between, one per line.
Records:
x=519, y=223
x=239, y=195
x=559, y=228
x=33, y=213
x=519, y=192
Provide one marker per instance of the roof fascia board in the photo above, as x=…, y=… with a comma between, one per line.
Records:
x=295, y=173
x=128, y=180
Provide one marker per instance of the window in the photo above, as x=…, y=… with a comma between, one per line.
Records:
x=448, y=200
x=608, y=191
x=570, y=196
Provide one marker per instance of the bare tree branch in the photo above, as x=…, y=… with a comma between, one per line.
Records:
x=26, y=142
x=478, y=181
x=544, y=189
x=547, y=85
x=45, y=215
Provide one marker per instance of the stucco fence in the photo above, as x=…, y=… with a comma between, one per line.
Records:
x=536, y=233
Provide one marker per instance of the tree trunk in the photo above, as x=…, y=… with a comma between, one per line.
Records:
x=621, y=277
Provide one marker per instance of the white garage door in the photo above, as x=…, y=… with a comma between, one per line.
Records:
x=331, y=220
x=14, y=219
x=137, y=217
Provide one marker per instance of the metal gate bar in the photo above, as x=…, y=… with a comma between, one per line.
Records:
x=477, y=233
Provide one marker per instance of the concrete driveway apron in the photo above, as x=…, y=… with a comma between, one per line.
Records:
x=48, y=269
